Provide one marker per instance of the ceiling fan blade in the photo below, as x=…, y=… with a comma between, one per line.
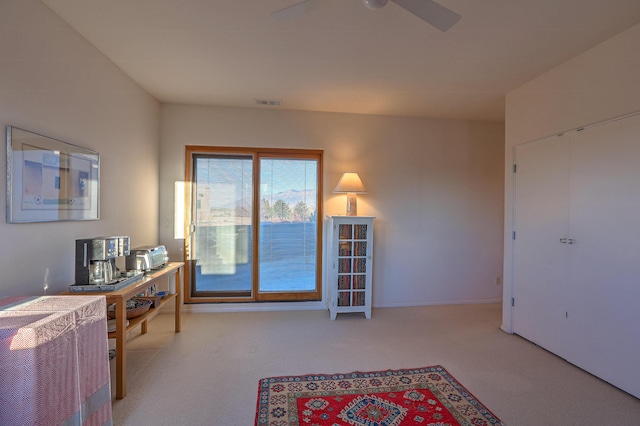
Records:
x=296, y=10
x=430, y=12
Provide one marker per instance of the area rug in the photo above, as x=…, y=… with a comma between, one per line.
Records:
x=421, y=396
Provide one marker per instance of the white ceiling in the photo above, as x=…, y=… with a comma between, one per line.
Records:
x=343, y=57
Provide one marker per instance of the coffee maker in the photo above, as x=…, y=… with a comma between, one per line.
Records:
x=96, y=259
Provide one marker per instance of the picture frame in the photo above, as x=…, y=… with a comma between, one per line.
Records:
x=50, y=180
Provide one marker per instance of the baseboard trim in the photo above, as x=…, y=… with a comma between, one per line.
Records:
x=254, y=307
x=439, y=302
x=309, y=306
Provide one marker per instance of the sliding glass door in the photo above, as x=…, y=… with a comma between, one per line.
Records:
x=255, y=233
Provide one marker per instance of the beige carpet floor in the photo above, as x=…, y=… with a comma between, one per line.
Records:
x=208, y=374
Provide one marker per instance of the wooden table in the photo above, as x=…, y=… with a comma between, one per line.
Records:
x=120, y=297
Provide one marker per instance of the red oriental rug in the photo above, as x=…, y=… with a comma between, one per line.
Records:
x=421, y=396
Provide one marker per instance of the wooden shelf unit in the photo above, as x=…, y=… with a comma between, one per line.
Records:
x=120, y=297
x=144, y=318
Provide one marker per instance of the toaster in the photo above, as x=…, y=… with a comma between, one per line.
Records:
x=147, y=258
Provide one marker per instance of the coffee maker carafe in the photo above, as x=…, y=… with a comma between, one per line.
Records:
x=96, y=259
x=101, y=271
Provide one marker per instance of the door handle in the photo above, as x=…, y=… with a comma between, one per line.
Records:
x=563, y=240
x=567, y=241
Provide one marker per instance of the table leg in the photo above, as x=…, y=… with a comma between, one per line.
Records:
x=178, y=285
x=121, y=352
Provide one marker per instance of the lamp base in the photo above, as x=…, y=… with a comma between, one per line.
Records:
x=352, y=204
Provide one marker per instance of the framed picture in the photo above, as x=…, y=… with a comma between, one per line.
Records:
x=50, y=180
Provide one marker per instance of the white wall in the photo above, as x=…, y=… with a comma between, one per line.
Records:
x=597, y=85
x=53, y=82
x=435, y=187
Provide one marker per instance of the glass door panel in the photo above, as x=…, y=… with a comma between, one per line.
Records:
x=222, y=218
x=352, y=264
x=288, y=225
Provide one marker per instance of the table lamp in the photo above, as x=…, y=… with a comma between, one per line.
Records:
x=351, y=185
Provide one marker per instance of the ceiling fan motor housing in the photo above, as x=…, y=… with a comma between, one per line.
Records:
x=375, y=4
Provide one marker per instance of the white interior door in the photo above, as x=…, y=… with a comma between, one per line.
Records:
x=579, y=299
x=540, y=259
x=604, y=287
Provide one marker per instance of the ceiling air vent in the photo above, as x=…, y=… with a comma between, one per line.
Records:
x=269, y=102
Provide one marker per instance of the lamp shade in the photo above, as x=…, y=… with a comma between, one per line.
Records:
x=350, y=183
